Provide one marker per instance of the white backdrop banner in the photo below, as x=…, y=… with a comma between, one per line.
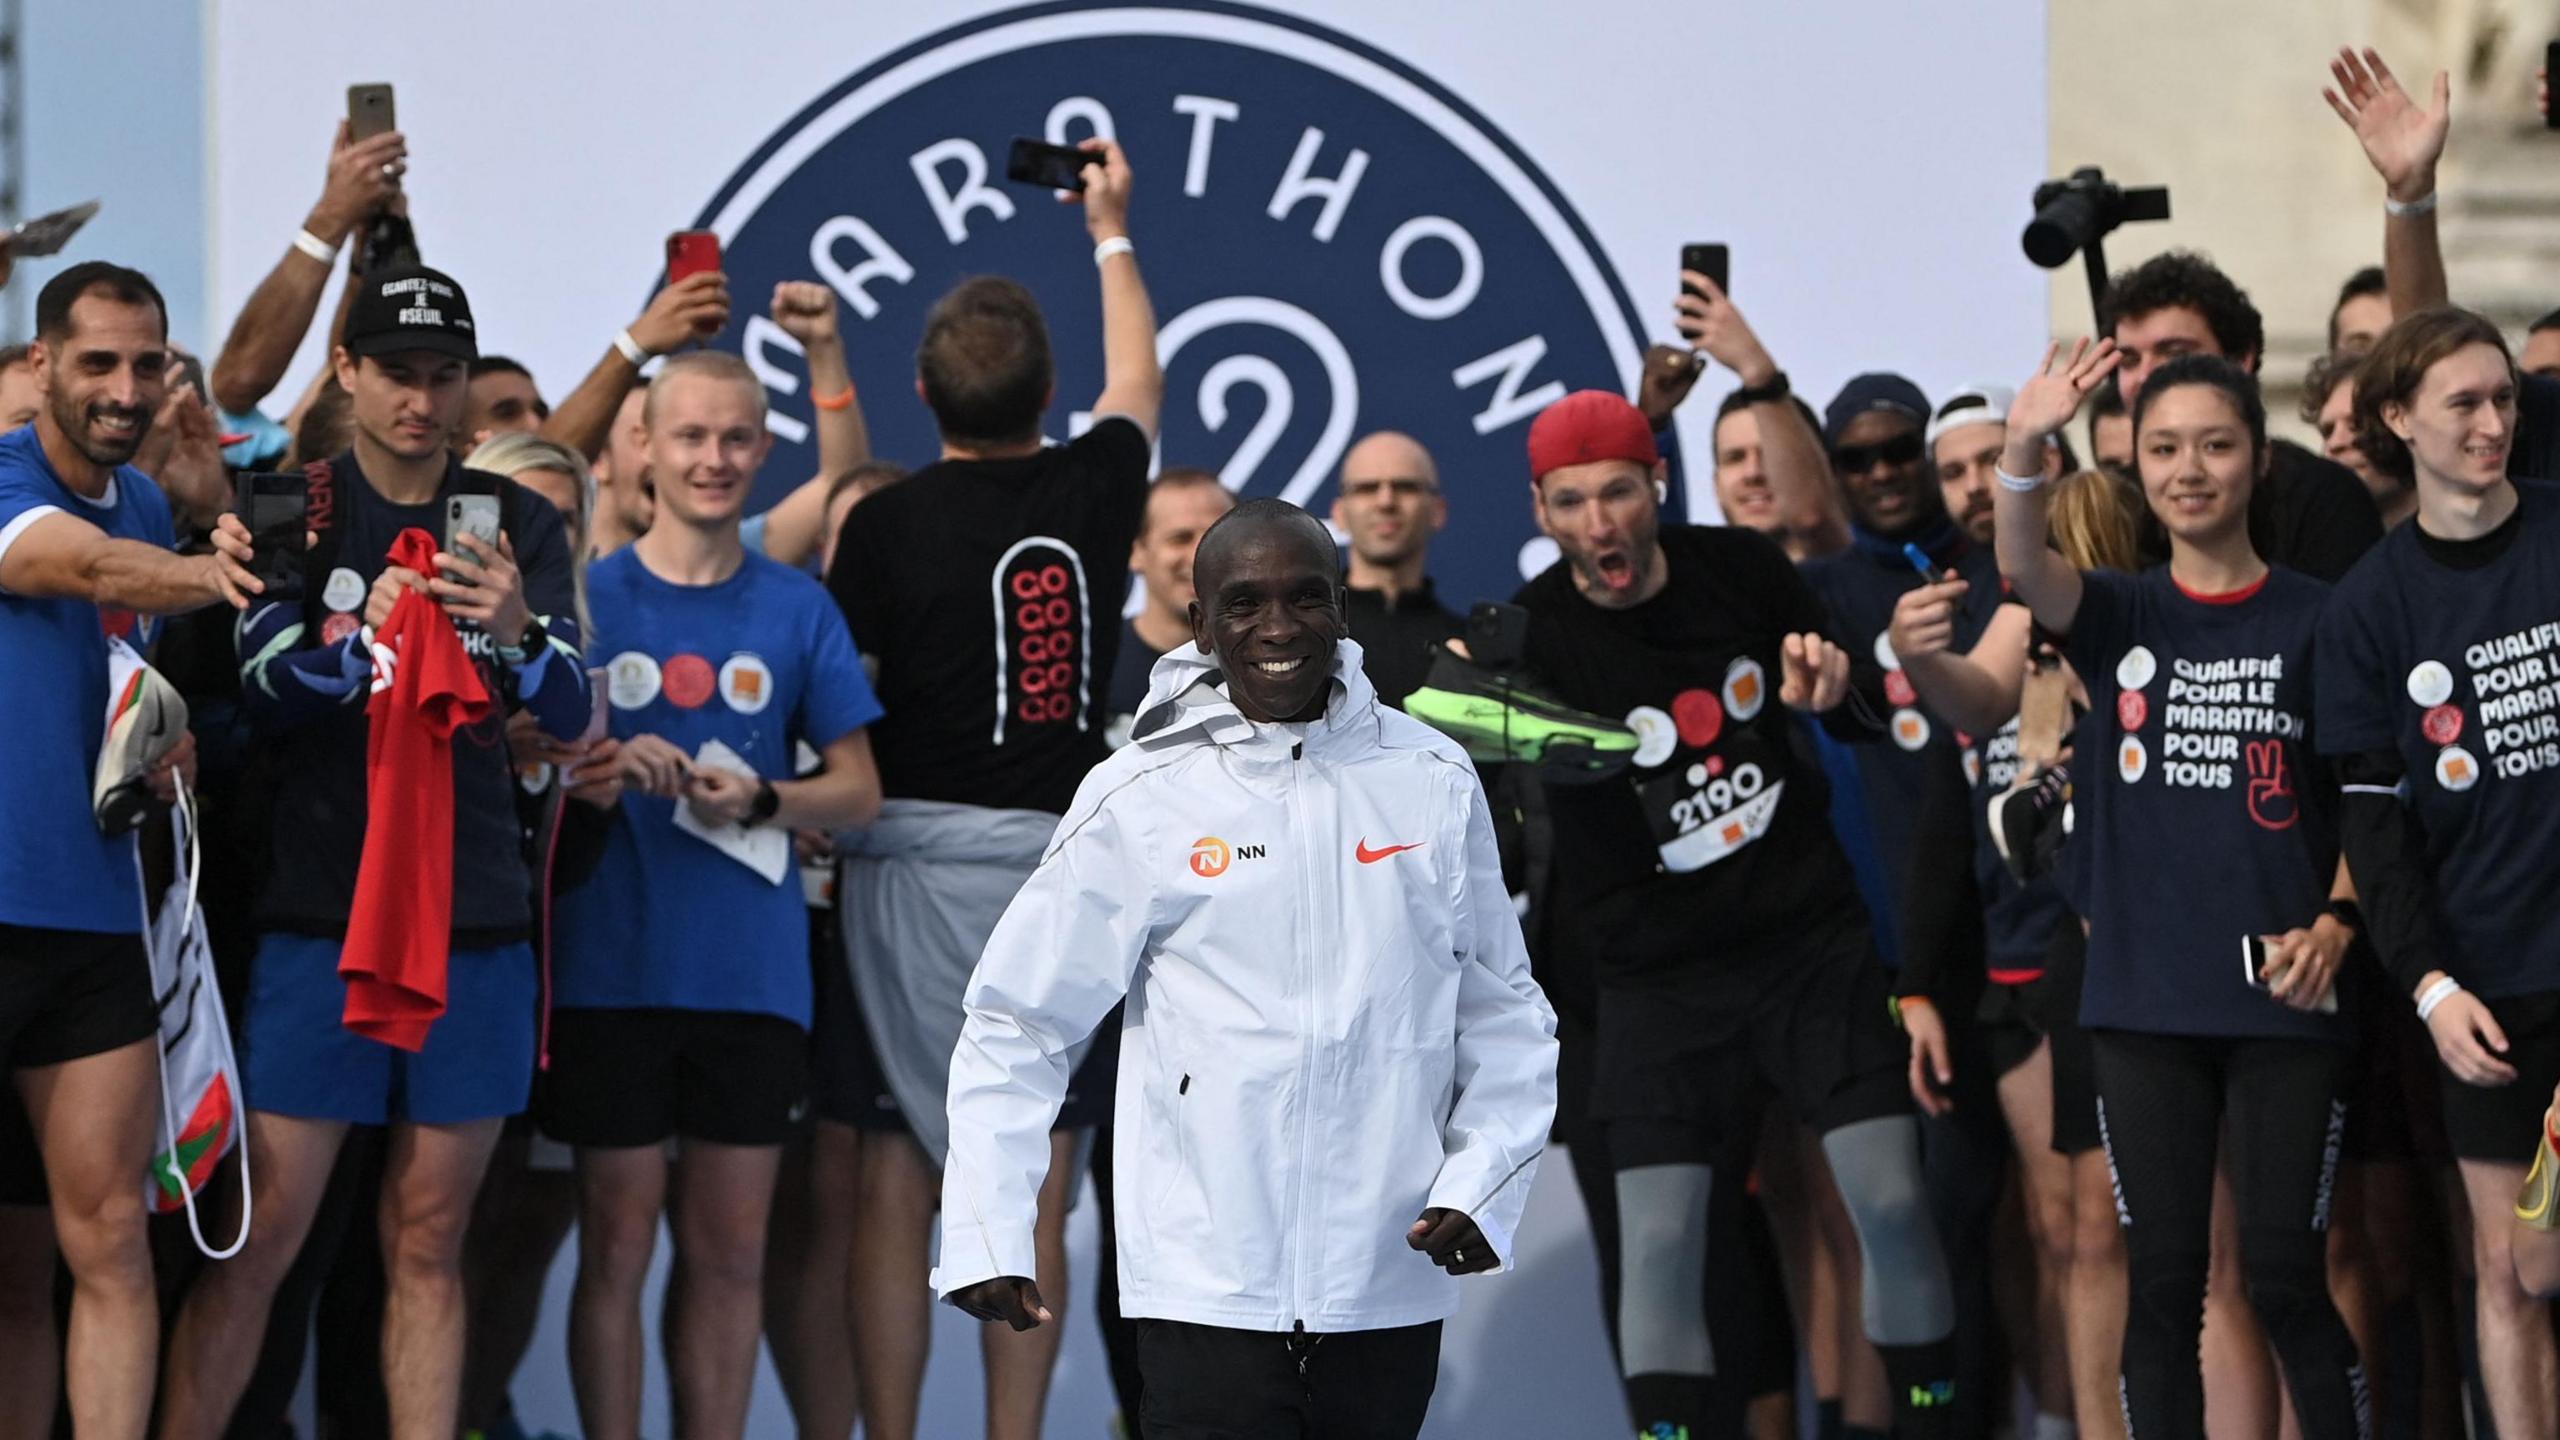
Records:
x=1428, y=216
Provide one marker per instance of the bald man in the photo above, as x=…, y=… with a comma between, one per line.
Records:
x=1390, y=505
x=1291, y=1237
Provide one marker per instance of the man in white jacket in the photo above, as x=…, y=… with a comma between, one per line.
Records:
x=1334, y=1057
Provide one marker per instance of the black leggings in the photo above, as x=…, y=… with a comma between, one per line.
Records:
x=2164, y=1102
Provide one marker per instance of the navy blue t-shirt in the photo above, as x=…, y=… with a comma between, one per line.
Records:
x=757, y=662
x=56, y=871
x=2459, y=671
x=2207, y=818
x=1860, y=586
x=2017, y=920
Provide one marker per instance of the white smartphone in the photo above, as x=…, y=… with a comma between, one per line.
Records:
x=475, y=515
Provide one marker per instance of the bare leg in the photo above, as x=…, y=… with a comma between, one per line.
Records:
x=92, y=1121
x=1863, y=1399
x=621, y=1192
x=429, y=1178
x=1786, y=1196
x=30, y=1350
x=808, y=1254
x=215, y=1341
x=2096, y=1299
x=2241, y=1396
x=518, y=1225
x=1019, y=1364
x=725, y=1194
x=2516, y=1353
x=2044, y=1184
x=892, y=1309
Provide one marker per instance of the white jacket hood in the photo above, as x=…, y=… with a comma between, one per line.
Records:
x=1330, y=1022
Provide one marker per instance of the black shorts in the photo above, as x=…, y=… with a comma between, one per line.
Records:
x=69, y=994
x=2010, y=1024
x=21, y=1162
x=1819, y=1034
x=2075, y=1067
x=625, y=1078
x=2503, y=1123
x=2393, y=1112
x=845, y=1084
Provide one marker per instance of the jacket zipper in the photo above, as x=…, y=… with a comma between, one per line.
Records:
x=1306, y=1038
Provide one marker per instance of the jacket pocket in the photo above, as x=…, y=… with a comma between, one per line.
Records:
x=1178, y=1122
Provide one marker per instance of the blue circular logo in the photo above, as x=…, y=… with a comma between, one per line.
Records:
x=1334, y=244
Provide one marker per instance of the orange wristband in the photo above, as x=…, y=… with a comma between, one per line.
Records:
x=842, y=401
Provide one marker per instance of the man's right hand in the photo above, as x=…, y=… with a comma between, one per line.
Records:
x=1709, y=321
x=386, y=593
x=694, y=306
x=2402, y=141
x=364, y=175
x=1670, y=373
x=1924, y=620
x=2469, y=1041
x=1008, y=1298
x=1106, y=190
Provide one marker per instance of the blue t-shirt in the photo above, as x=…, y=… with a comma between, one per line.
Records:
x=757, y=662
x=56, y=871
x=2459, y=671
x=2207, y=817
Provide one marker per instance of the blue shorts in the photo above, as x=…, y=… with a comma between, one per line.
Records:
x=298, y=1058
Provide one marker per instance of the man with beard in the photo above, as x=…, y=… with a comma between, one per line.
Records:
x=1390, y=507
x=85, y=543
x=1965, y=437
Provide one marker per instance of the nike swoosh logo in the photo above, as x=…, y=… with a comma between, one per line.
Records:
x=1367, y=856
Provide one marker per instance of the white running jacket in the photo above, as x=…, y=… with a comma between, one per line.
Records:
x=1330, y=1026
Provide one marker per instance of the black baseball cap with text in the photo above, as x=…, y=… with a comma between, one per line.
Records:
x=411, y=308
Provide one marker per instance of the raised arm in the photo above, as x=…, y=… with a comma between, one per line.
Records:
x=1810, y=504
x=806, y=311
x=2022, y=510
x=695, y=305
x=2403, y=143
x=1132, y=378
x=54, y=555
x=363, y=177
x=1976, y=692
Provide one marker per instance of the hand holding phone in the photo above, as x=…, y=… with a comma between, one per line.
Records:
x=473, y=515
x=369, y=112
x=691, y=253
x=1046, y=166
x=272, y=507
x=1713, y=261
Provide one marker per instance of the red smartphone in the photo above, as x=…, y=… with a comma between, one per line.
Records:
x=690, y=253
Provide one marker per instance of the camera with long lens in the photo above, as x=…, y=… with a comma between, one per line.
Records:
x=2075, y=214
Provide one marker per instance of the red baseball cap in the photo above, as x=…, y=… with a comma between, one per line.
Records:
x=1589, y=425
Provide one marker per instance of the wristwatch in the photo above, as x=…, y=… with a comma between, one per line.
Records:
x=2347, y=913
x=1776, y=389
x=768, y=803
x=533, y=639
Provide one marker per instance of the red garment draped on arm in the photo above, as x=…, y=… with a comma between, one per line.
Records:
x=400, y=932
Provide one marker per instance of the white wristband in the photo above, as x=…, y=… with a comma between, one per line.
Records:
x=631, y=350
x=2414, y=207
x=2444, y=989
x=315, y=247
x=1116, y=245
x=2022, y=484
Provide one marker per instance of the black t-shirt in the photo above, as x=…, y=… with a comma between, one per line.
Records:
x=1718, y=845
x=987, y=592
x=1396, y=639
x=2017, y=920
x=319, y=766
x=2458, y=671
x=2311, y=515
x=1860, y=586
x=2207, y=817
x=2537, y=449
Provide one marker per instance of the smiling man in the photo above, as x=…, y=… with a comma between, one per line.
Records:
x=1340, y=1074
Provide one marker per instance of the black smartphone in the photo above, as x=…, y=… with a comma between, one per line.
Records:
x=369, y=112
x=1050, y=167
x=2551, y=81
x=1713, y=261
x=272, y=506
x=1498, y=636
x=2253, y=961
x=188, y=370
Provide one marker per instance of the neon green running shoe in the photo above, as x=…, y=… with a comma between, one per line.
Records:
x=1500, y=719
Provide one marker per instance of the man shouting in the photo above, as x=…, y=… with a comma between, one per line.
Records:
x=1337, y=1074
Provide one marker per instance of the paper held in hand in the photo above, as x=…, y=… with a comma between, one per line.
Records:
x=763, y=849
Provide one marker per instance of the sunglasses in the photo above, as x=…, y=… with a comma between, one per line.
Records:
x=1856, y=459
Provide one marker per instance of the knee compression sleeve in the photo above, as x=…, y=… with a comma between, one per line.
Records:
x=1904, y=1277
x=1662, y=1258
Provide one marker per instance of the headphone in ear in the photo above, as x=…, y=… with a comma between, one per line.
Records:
x=1661, y=492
